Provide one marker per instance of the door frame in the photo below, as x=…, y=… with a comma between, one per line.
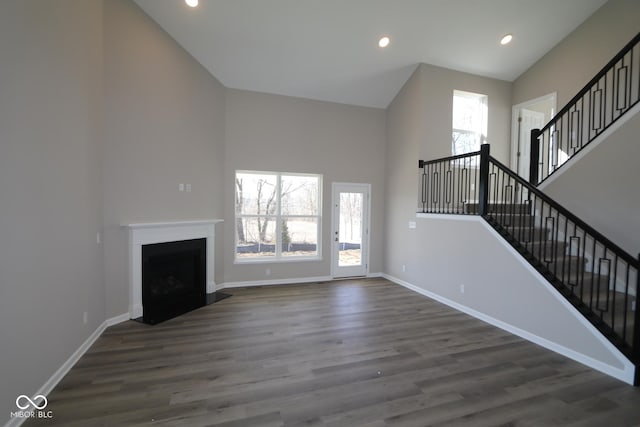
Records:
x=515, y=131
x=336, y=188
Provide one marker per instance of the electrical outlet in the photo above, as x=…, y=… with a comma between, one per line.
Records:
x=188, y=188
x=404, y=268
x=180, y=187
x=267, y=272
x=462, y=289
x=412, y=224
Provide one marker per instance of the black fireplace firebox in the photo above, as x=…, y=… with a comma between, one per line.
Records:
x=174, y=276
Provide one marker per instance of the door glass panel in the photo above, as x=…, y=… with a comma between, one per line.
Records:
x=350, y=229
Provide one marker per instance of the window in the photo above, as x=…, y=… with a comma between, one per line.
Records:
x=278, y=216
x=469, y=122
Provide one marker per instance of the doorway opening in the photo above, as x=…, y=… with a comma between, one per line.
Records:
x=533, y=114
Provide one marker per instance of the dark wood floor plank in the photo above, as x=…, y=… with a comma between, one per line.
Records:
x=346, y=353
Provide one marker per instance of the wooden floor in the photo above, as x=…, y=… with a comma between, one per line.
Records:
x=349, y=353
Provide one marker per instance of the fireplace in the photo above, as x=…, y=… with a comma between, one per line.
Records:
x=173, y=279
x=147, y=235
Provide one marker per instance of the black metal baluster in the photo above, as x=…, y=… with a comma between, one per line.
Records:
x=626, y=304
x=593, y=272
x=613, y=291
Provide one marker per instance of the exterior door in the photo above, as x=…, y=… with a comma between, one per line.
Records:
x=350, y=231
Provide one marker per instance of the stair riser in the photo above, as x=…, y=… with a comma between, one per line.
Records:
x=546, y=249
x=499, y=209
x=529, y=235
x=561, y=268
x=524, y=220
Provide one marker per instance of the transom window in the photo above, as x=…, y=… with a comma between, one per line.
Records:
x=278, y=216
x=469, y=127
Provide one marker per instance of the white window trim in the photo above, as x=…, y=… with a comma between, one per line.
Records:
x=482, y=133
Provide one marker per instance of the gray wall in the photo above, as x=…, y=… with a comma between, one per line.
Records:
x=575, y=60
x=602, y=187
x=50, y=192
x=436, y=86
x=277, y=133
x=442, y=253
x=164, y=121
x=496, y=282
x=419, y=127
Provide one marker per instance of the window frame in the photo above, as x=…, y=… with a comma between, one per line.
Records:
x=278, y=217
x=479, y=135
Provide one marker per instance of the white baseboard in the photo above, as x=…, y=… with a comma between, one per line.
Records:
x=626, y=374
x=274, y=282
x=117, y=319
x=59, y=374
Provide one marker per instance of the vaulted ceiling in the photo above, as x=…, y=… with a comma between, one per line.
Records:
x=327, y=49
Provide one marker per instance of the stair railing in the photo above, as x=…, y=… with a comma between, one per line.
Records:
x=606, y=98
x=449, y=184
x=594, y=274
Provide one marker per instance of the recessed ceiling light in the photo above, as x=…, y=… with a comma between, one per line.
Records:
x=192, y=3
x=506, y=39
x=384, y=41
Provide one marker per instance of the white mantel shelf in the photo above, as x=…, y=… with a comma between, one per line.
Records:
x=161, y=232
x=173, y=223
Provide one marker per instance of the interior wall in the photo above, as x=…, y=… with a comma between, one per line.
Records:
x=164, y=125
x=602, y=187
x=437, y=86
x=419, y=127
x=51, y=196
x=574, y=61
x=493, y=280
x=277, y=133
x=406, y=131
x=598, y=186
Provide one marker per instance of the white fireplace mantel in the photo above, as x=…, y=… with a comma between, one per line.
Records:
x=161, y=232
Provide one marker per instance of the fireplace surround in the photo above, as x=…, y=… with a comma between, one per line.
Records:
x=141, y=234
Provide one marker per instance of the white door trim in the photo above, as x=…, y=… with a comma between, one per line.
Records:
x=514, y=121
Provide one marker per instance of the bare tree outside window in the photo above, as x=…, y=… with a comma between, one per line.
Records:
x=277, y=215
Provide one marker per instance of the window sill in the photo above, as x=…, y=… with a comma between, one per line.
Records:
x=285, y=260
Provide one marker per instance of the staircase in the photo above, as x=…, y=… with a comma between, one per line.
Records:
x=589, y=288
x=595, y=275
